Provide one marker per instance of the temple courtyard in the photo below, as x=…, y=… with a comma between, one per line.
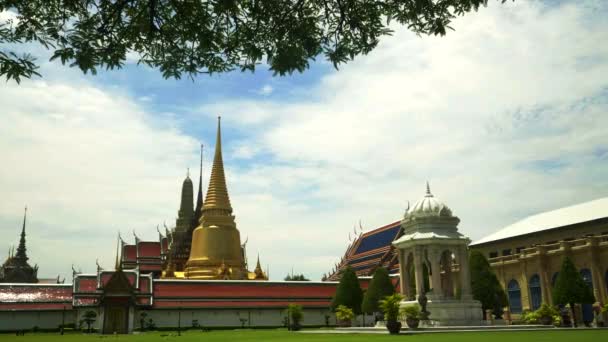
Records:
x=305, y=336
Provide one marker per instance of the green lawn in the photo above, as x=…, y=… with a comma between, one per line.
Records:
x=282, y=335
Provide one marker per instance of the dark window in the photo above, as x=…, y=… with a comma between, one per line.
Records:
x=514, y=294
x=519, y=249
x=535, y=292
x=506, y=252
x=569, y=239
x=493, y=255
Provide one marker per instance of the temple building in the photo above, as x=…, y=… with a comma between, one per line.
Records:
x=16, y=269
x=528, y=254
x=204, y=244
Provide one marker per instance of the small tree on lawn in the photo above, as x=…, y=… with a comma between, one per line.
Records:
x=349, y=292
x=380, y=287
x=296, y=314
x=570, y=288
x=89, y=318
x=485, y=285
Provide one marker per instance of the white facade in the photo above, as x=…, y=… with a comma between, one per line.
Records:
x=28, y=320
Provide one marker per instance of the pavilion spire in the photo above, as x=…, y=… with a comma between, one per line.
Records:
x=217, y=193
x=21, y=250
x=428, y=190
x=199, y=197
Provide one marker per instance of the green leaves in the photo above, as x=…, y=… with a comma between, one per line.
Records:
x=349, y=292
x=570, y=287
x=484, y=284
x=380, y=287
x=204, y=37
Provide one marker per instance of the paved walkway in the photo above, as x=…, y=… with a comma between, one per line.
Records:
x=505, y=328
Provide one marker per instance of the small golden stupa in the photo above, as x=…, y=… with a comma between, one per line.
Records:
x=216, y=251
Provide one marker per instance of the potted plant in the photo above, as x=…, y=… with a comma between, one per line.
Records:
x=344, y=314
x=546, y=314
x=390, y=307
x=412, y=315
x=295, y=314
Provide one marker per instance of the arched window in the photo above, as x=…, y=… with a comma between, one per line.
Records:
x=535, y=292
x=554, y=279
x=586, y=273
x=514, y=293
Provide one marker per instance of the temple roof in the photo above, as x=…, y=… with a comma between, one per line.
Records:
x=370, y=250
x=567, y=216
x=35, y=297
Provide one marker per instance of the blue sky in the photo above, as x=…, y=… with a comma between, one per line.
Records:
x=505, y=117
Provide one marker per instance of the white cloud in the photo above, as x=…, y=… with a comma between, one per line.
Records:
x=88, y=162
x=481, y=113
x=505, y=117
x=266, y=90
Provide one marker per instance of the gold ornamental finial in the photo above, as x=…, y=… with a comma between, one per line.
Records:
x=217, y=193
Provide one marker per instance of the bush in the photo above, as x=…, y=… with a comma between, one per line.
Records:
x=544, y=312
x=485, y=285
x=570, y=288
x=348, y=292
x=344, y=313
x=411, y=311
x=296, y=314
x=390, y=307
x=380, y=287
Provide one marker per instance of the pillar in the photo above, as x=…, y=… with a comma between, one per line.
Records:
x=465, y=274
x=599, y=288
x=418, y=269
x=545, y=280
x=403, y=275
x=523, y=282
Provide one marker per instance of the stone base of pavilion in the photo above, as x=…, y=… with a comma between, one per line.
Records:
x=451, y=312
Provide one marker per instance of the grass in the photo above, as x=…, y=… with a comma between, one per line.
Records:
x=282, y=335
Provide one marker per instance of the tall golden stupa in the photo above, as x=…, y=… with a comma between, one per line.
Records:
x=216, y=251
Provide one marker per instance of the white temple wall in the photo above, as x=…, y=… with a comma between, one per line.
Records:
x=229, y=317
x=27, y=320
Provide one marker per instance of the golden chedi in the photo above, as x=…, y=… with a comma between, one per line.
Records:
x=216, y=243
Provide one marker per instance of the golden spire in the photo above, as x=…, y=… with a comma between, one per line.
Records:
x=217, y=193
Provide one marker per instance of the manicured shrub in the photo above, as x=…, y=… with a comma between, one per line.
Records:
x=380, y=287
x=349, y=292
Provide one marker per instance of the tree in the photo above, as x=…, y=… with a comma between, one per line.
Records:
x=89, y=318
x=296, y=277
x=380, y=287
x=296, y=314
x=349, y=292
x=570, y=288
x=485, y=285
x=194, y=37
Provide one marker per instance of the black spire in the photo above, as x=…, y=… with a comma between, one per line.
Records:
x=199, y=199
x=21, y=249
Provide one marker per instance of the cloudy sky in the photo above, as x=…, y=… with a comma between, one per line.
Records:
x=506, y=116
